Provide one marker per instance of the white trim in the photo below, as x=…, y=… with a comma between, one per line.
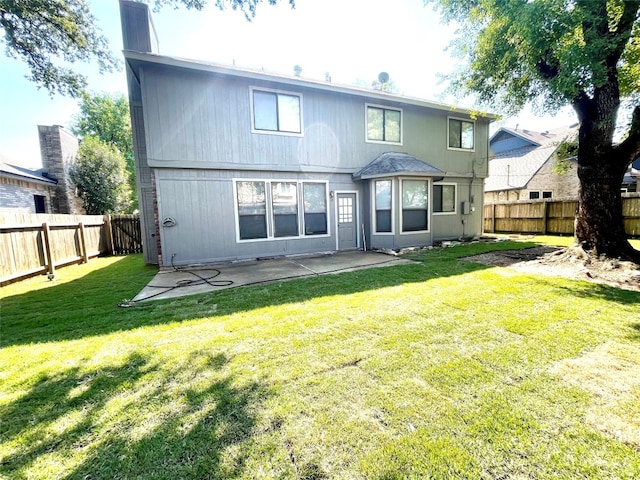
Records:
x=276, y=132
x=468, y=120
x=269, y=209
x=366, y=123
x=455, y=198
x=372, y=187
x=356, y=210
x=429, y=203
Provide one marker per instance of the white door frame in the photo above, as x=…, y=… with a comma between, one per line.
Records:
x=357, y=214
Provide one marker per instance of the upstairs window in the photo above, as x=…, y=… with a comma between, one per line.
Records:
x=276, y=112
x=461, y=134
x=384, y=125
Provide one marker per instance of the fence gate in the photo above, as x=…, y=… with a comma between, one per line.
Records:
x=126, y=234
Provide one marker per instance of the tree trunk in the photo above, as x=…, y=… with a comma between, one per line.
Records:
x=599, y=227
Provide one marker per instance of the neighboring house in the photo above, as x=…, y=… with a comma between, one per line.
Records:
x=48, y=189
x=525, y=166
x=24, y=190
x=234, y=163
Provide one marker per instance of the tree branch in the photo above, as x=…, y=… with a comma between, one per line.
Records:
x=621, y=34
x=630, y=148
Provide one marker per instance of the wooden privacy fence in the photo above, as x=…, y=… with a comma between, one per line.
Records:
x=550, y=216
x=31, y=244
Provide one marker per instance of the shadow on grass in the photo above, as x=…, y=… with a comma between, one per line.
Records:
x=584, y=289
x=137, y=420
x=636, y=334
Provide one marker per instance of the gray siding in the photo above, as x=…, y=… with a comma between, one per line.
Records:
x=202, y=204
x=201, y=120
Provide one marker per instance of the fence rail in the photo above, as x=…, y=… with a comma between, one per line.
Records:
x=32, y=244
x=550, y=216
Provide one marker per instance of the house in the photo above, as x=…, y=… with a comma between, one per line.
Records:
x=234, y=163
x=631, y=180
x=526, y=166
x=48, y=189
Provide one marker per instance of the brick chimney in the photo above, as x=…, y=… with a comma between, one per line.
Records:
x=59, y=149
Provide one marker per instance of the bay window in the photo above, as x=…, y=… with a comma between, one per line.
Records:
x=415, y=205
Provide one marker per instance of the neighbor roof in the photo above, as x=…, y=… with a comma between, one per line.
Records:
x=137, y=59
x=15, y=171
x=396, y=163
x=513, y=169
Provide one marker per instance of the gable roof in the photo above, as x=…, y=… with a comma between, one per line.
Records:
x=7, y=170
x=391, y=164
x=138, y=59
x=513, y=169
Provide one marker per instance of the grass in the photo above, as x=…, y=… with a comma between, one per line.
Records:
x=439, y=369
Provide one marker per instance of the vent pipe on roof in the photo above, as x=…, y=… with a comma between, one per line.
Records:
x=297, y=70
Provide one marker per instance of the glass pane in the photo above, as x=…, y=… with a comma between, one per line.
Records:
x=375, y=123
x=315, y=197
x=454, y=133
x=252, y=226
x=285, y=225
x=251, y=198
x=467, y=135
x=315, y=223
x=392, y=126
x=383, y=221
x=265, y=112
x=414, y=220
x=284, y=197
x=448, y=198
x=383, y=195
x=415, y=194
x=437, y=198
x=345, y=210
x=289, y=113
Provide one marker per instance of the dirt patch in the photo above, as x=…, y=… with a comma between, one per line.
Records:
x=568, y=263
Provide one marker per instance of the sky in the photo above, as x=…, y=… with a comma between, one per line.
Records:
x=352, y=40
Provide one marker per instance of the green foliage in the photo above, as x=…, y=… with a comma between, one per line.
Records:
x=106, y=117
x=565, y=152
x=100, y=177
x=548, y=52
x=47, y=35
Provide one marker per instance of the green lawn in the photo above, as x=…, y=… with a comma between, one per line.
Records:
x=440, y=369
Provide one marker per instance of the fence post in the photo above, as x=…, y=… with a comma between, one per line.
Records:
x=47, y=248
x=108, y=234
x=493, y=218
x=545, y=214
x=83, y=244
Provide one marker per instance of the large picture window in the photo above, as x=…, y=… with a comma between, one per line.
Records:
x=415, y=205
x=461, y=134
x=315, y=208
x=383, y=206
x=269, y=209
x=444, y=199
x=384, y=124
x=252, y=211
x=275, y=112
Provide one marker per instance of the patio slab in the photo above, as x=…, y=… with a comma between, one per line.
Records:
x=172, y=283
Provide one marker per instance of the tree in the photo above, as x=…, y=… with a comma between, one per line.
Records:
x=49, y=34
x=107, y=117
x=583, y=53
x=100, y=177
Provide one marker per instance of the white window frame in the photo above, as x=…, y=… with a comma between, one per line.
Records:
x=455, y=197
x=373, y=206
x=535, y=191
x=366, y=123
x=468, y=120
x=276, y=132
x=429, y=206
x=269, y=209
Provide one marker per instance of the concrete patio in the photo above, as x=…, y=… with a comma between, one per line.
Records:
x=172, y=283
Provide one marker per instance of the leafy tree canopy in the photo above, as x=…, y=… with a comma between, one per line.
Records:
x=106, y=116
x=100, y=176
x=549, y=52
x=51, y=35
